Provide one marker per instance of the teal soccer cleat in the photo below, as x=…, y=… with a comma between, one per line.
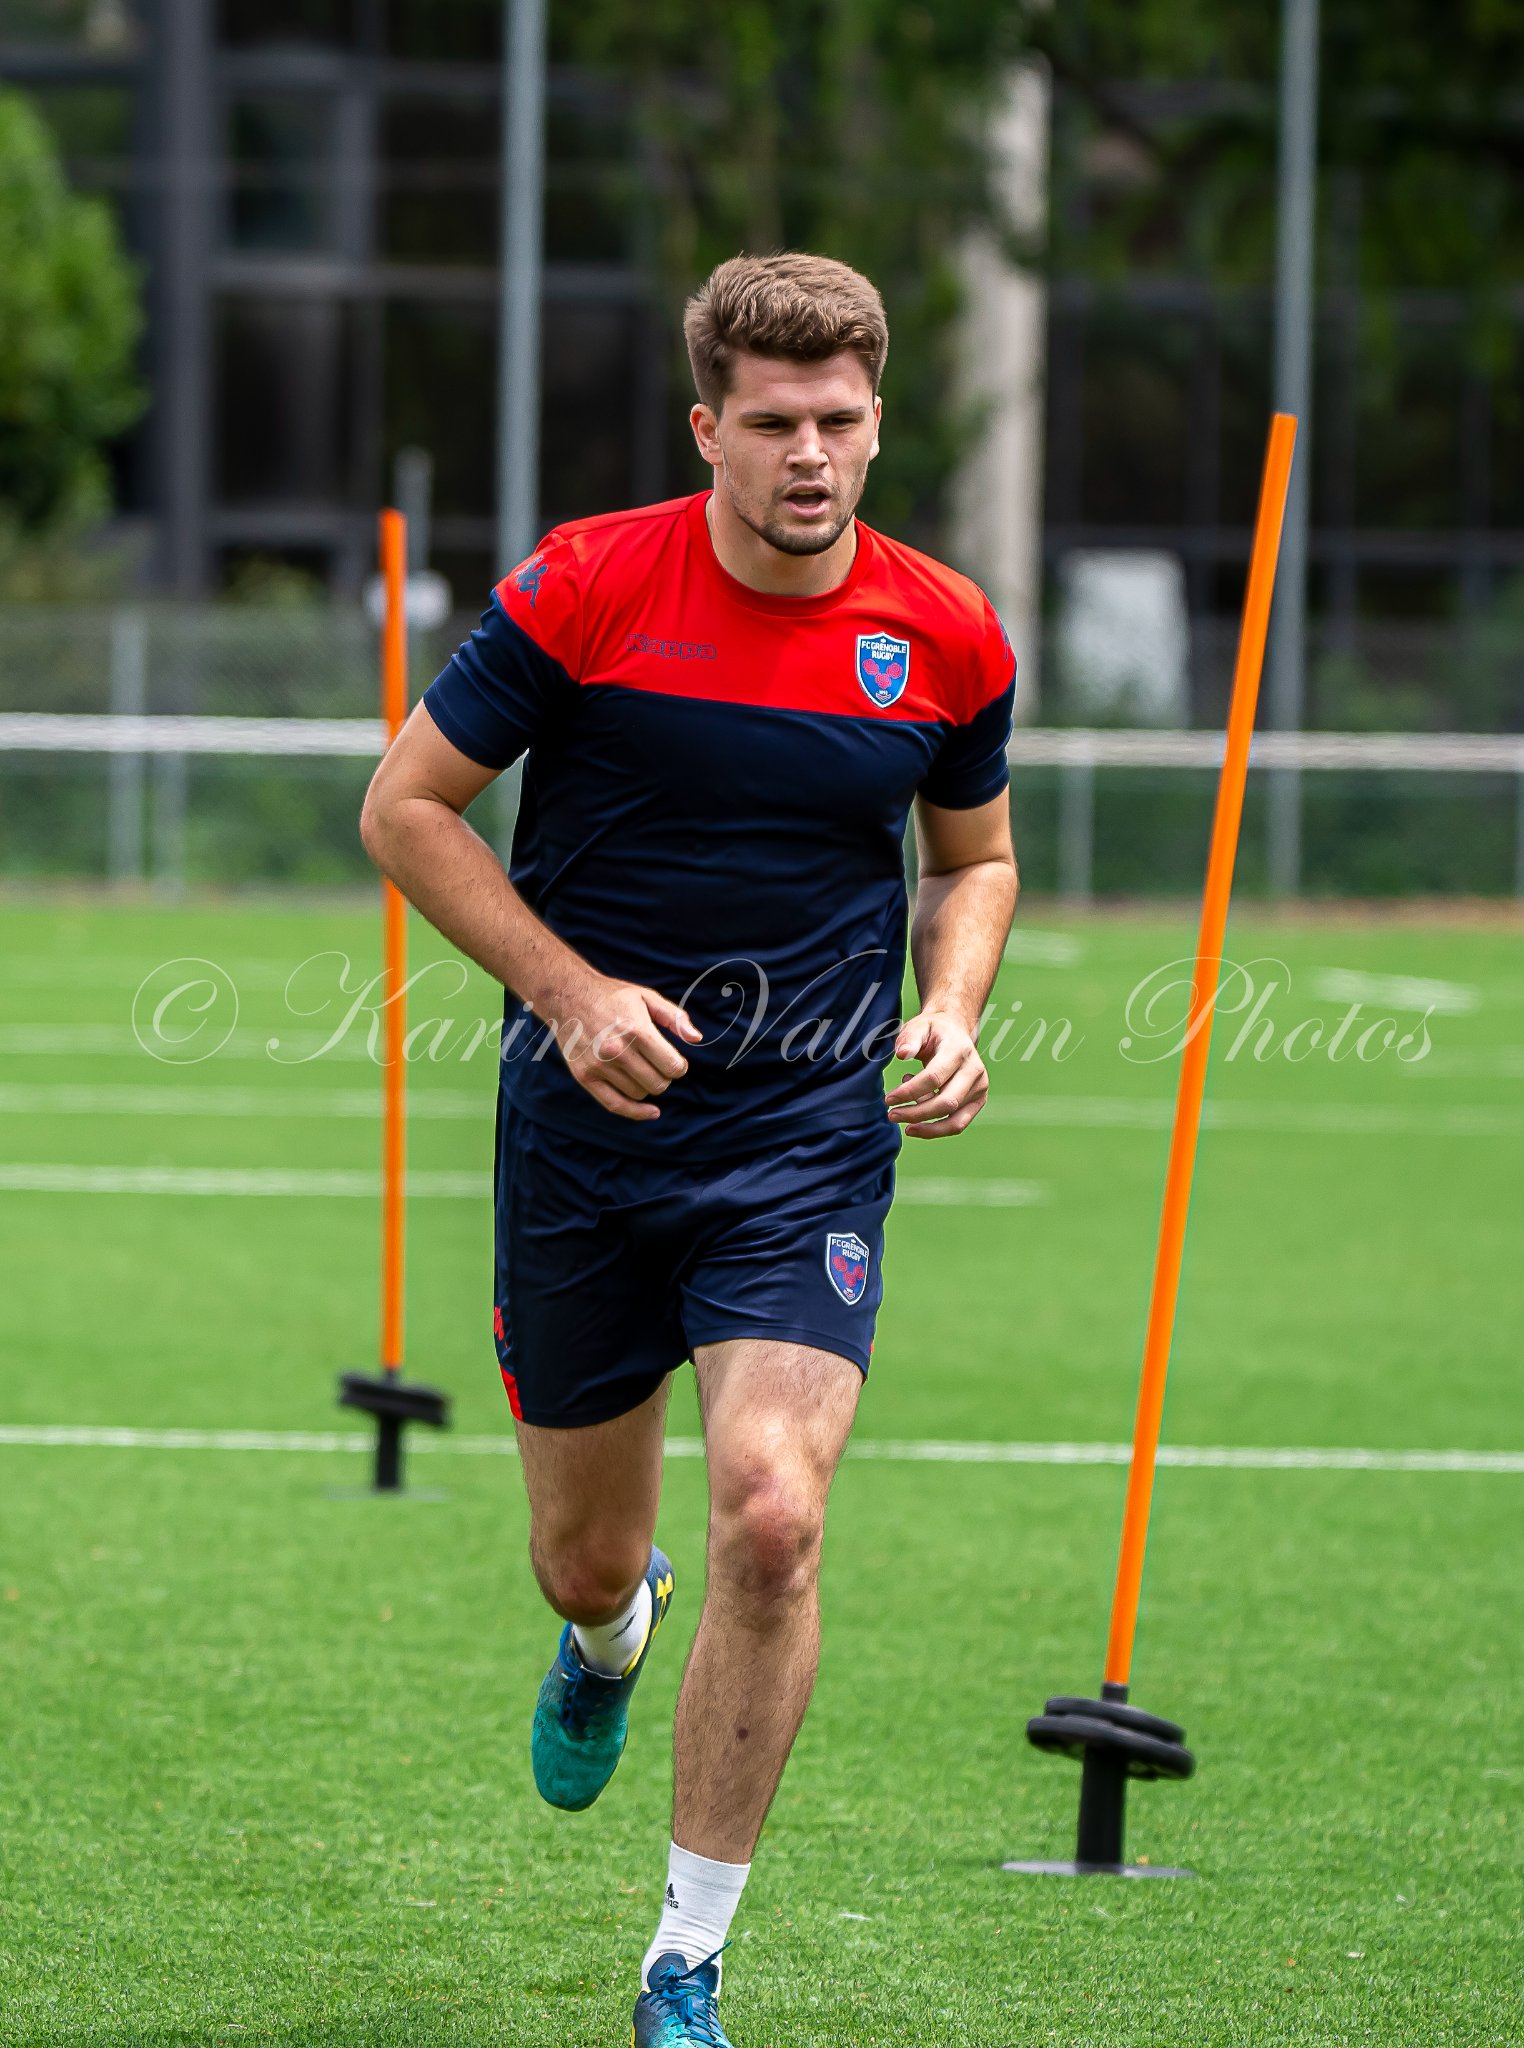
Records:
x=581, y=1719
x=681, y=2006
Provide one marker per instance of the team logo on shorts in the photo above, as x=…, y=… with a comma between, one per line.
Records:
x=883, y=667
x=847, y=1265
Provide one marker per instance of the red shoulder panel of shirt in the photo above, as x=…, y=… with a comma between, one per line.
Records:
x=638, y=598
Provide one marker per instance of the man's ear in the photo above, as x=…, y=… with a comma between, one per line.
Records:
x=706, y=431
x=878, y=414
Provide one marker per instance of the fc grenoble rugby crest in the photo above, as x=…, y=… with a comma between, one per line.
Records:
x=847, y=1265
x=883, y=666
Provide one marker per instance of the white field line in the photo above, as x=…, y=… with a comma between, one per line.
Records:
x=365, y=1184
x=68, y=1098
x=70, y=1436
x=1035, y=948
x=929, y=1192
x=119, y=970
x=1318, y=1119
x=1394, y=991
x=230, y=1180
x=1052, y=1112
x=297, y=1049
x=1503, y=1062
x=120, y=1041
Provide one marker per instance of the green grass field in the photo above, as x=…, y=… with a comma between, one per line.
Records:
x=264, y=1772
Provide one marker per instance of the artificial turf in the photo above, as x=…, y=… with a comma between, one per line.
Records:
x=264, y=1768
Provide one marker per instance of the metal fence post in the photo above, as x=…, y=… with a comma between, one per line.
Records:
x=171, y=776
x=129, y=699
x=169, y=804
x=1076, y=829
x=1295, y=315
x=1518, y=830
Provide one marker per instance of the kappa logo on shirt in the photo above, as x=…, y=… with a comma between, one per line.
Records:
x=671, y=650
x=883, y=667
x=529, y=576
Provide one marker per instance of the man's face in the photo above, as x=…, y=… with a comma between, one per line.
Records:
x=791, y=447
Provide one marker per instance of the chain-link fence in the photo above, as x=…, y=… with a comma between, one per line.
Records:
x=171, y=808
x=178, y=818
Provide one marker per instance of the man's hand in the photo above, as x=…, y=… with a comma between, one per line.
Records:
x=952, y=1086
x=610, y=1034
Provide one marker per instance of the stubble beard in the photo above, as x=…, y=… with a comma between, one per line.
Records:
x=794, y=541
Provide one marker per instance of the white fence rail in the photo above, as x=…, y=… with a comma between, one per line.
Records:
x=78, y=732
x=44, y=732
x=129, y=741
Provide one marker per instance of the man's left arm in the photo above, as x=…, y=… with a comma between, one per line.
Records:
x=965, y=899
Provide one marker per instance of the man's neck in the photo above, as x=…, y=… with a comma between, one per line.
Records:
x=758, y=564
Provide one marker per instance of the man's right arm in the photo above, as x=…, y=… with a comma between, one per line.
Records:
x=610, y=1033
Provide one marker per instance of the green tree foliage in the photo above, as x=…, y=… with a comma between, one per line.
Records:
x=849, y=127
x=1421, y=145
x=69, y=323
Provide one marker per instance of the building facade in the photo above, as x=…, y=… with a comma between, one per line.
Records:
x=311, y=189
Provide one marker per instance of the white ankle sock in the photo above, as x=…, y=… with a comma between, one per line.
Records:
x=612, y=1648
x=701, y=1902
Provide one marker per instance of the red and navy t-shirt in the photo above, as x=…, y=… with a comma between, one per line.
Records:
x=714, y=803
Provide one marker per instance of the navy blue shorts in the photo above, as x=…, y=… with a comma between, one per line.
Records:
x=610, y=1267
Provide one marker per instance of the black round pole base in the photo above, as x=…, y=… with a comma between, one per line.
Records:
x=394, y=1403
x=1111, y=1742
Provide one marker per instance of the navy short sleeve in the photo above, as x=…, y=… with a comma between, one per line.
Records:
x=971, y=765
x=500, y=689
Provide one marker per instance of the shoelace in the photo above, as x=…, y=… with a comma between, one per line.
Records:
x=693, y=2002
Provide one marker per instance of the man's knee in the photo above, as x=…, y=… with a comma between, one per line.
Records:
x=590, y=1577
x=768, y=1525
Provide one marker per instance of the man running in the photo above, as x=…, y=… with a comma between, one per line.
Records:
x=728, y=704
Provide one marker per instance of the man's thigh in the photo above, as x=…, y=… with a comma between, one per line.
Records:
x=774, y=1413
x=596, y=1488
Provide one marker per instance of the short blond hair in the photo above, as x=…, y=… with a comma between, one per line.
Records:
x=794, y=305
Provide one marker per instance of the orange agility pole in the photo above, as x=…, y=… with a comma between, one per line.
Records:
x=385, y=1395
x=1113, y=1740
x=394, y=970
x=1198, y=1042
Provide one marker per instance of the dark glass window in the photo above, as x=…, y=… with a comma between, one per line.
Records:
x=1408, y=591
x=92, y=125
x=1408, y=440
x=442, y=171
x=1138, y=367
x=1245, y=417
x=470, y=573
x=589, y=385
x=282, y=385
x=327, y=22
x=441, y=394
x=280, y=171
x=51, y=21
x=90, y=122
x=445, y=29
x=1506, y=448
x=590, y=187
